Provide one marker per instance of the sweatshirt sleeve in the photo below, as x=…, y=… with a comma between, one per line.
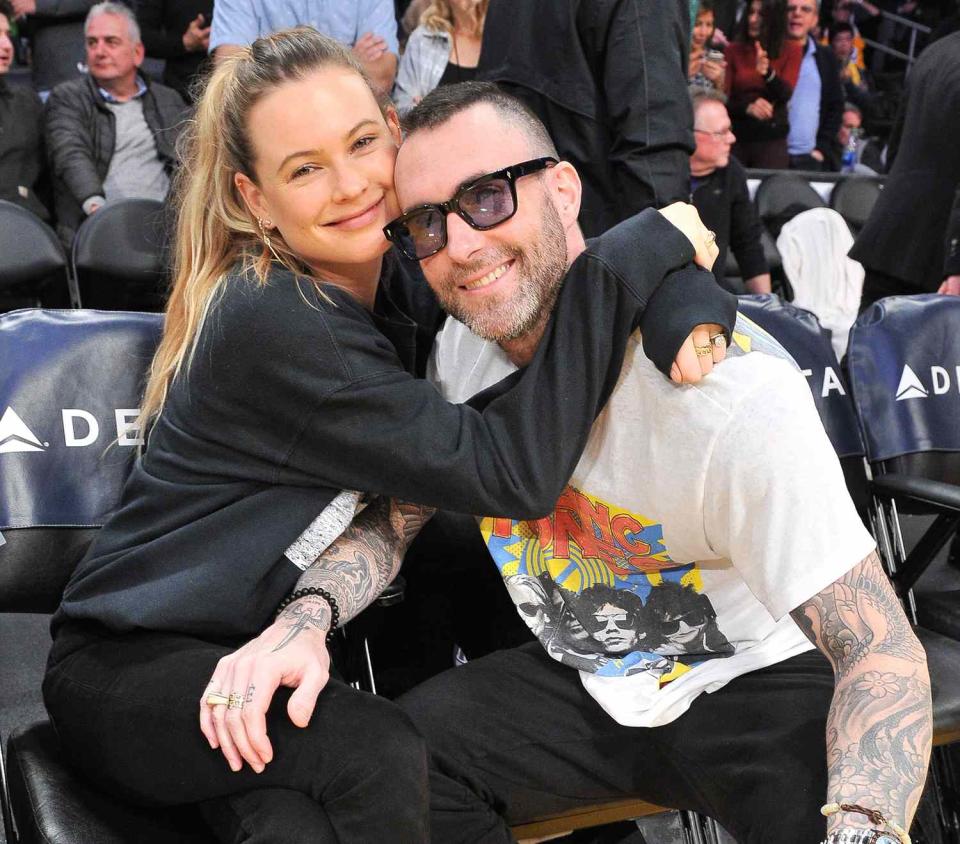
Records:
x=380, y=430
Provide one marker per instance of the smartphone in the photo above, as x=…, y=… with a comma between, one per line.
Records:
x=714, y=56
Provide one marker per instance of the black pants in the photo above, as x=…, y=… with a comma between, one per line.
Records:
x=127, y=712
x=879, y=285
x=514, y=736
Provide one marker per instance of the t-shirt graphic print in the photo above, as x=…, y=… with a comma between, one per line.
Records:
x=596, y=585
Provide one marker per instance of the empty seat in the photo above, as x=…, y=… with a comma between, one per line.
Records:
x=119, y=256
x=33, y=266
x=854, y=199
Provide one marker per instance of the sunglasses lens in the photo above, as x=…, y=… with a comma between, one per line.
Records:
x=488, y=203
x=422, y=233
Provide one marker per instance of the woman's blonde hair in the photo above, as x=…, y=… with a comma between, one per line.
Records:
x=438, y=16
x=215, y=230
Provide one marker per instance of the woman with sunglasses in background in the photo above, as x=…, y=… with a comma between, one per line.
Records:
x=284, y=383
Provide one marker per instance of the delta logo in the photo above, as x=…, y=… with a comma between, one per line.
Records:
x=911, y=387
x=80, y=429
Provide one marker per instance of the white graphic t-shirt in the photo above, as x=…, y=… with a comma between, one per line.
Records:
x=696, y=519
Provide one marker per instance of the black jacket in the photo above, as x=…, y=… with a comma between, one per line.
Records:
x=608, y=79
x=80, y=139
x=723, y=200
x=162, y=24
x=23, y=168
x=290, y=399
x=914, y=229
x=55, y=31
x=831, y=105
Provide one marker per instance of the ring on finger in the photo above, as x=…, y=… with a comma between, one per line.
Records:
x=719, y=342
x=216, y=699
x=235, y=701
x=703, y=351
x=711, y=236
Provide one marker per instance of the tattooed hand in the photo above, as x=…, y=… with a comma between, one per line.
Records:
x=291, y=652
x=880, y=724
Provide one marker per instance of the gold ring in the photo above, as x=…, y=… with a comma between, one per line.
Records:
x=216, y=699
x=703, y=351
x=719, y=341
x=235, y=701
x=711, y=236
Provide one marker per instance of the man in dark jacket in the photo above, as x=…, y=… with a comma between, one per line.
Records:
x=22, y=167
x=911, y=243
x=816, y=107
x=608, y=79
x=718, y=189
x=112, y=134
x=177, y=31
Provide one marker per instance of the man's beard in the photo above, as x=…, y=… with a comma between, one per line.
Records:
x=539, y=268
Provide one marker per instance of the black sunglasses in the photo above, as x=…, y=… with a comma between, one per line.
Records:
x=486, y=202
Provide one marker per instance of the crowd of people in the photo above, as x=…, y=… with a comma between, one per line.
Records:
x=369, y=320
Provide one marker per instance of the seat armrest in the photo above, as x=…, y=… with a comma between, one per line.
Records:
x=939, y=495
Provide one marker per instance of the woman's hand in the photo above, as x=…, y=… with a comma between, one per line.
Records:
x=685, y=217
x=760, y=109
x=690, y=365
x=763, y=60
x=291, y=652
x=715, y=71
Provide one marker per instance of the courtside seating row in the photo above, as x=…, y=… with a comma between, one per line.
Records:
x=781, y=196
x=69, y=385
x=117, y=259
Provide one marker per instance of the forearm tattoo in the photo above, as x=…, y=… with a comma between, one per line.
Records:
x=879, y=728
x=309, y=613
x=365, y=558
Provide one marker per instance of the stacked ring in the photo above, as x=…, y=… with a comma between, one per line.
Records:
x=235, y=701
x=703, y=351
x=719, y=341
x=216, y=699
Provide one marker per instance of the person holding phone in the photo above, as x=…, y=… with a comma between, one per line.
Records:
x=177, y=31
x=762, y=70
x=707, y=67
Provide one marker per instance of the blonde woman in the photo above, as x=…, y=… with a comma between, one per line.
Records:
x=443, y=49
x=190, y=660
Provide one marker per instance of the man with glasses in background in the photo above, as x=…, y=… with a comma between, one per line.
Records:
x=816, y=107
x=718, y=189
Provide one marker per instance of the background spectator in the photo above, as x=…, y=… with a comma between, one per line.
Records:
x=55, y=31
x=110, y=135
x=817, y=103
x=177, y=31
x=21, y=132
x=762, y=68
x=911, y=243
x=443, y=49
x=718, y=188
x=707, y=67
x=410, y=19
x=623, y=122
x=856, y=87
x=369, y=26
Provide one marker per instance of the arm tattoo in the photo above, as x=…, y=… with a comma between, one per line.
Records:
x=309, y=613
x=366, y=557
x=879, y=728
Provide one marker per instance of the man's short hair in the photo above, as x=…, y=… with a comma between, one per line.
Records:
x=837, y=28
x=854, y=108
x=700, y=95
x=444, y=103
x=111, y=8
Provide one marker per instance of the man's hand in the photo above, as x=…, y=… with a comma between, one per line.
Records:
x=950, y=286
x=369, y=48
x=291, y=652
x=93, y=209
x=22, y=8
x=760, y=109
x=196, y=37
x=816, y=155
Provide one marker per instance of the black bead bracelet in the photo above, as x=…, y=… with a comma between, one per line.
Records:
x=321, y=593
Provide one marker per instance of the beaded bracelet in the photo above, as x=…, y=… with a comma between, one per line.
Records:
x=875, y=817
x=320, y=593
